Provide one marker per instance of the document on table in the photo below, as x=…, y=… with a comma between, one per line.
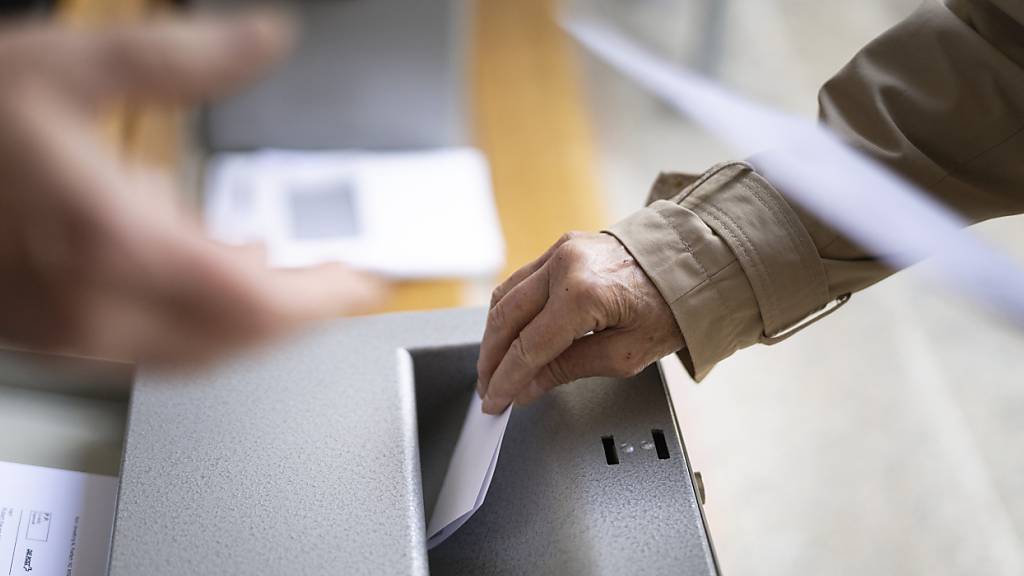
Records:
x=830, y=179
x=401, y=214
x=55, y=522
x=469, y=472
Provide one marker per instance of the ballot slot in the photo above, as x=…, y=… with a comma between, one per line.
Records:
x=551, y=479
x=611, y=454
x=445, y=379
x=660, y=446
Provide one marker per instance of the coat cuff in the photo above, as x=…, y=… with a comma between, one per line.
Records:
x=730, y=257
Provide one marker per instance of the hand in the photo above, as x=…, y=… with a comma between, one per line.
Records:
x=94, y=257
x=584, y=308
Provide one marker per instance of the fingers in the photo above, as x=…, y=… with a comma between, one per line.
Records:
x=545, y=338
x=239, y=289
x=614, y=352
x=184, y=59
x=588, y=356
x=526, y=271
x=211, y=309
x=326, y=291
x=505, y=320
x=504, y=324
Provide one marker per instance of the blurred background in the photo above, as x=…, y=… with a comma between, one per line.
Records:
x=886, y=440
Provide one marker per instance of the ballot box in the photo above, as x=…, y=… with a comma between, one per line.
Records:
x=325, y=454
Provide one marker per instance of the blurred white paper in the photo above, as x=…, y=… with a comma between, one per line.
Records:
x=871, y=205
x=469, y=472
x=415, y=214
x=55, y=522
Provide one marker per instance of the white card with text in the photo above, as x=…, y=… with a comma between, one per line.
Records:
x=55, y=522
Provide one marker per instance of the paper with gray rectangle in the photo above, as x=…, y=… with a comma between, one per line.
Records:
x=469, y=472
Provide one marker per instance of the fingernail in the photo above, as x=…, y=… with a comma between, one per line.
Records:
x=494, y=405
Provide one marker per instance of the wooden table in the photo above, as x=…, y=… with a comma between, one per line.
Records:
x=528, y=118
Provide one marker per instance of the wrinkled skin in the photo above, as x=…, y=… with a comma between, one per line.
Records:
x=584, y=308
x=95, y=258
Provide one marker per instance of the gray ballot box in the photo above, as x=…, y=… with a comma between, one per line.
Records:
x=325, y=454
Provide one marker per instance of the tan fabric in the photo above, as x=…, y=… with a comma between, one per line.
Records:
x=938, y=98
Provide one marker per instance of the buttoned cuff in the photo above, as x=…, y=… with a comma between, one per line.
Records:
x=730, y=257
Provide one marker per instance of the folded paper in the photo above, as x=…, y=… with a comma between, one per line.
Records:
x=469, y=472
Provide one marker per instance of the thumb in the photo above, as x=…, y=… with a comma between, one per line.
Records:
x=182, y=60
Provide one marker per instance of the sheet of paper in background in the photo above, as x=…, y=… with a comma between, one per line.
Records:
x=406, y=214
x=469, y=472
x=55, y=522
x=878, y=209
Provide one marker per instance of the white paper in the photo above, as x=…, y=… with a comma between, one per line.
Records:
x=876, y=208
x=418, y=214
x=55, y=522
x=469, y=472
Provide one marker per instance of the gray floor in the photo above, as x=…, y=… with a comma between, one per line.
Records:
x=888, y=439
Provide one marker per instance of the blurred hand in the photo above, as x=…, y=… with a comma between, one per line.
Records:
x=94, y=257
x=584, y=308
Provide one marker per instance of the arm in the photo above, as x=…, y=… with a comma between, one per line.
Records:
x=938, y=98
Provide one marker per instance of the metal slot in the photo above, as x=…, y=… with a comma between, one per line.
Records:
x=659, y=444
x=610, y=453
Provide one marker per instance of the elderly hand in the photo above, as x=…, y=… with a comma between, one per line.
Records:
x=584, y=308
x=94, y=257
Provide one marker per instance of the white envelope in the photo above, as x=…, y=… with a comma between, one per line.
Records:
x=469, y=472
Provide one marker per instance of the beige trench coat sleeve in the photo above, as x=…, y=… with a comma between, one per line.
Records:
x=938, y=98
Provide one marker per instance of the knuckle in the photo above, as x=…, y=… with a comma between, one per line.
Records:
x=497, y=317
x=496, y=295
x=523, y=352
x=571, y=254
x=569, y=236
x=556, y=374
